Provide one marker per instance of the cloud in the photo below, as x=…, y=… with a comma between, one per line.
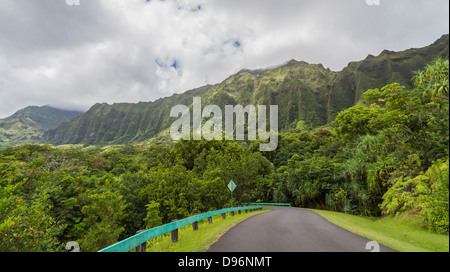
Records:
x=137, y=50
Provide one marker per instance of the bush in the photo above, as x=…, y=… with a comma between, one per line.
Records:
x=427, y=195
x=435, y=210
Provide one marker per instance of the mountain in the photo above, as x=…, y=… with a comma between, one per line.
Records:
x=304, y=92
x=28, y=125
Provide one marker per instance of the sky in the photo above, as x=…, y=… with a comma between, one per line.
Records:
x=114, y=51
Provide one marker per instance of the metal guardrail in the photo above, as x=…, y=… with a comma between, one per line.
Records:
x=142, y=237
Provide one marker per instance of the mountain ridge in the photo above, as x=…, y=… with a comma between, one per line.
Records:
x=27, y=125
x=305, y=92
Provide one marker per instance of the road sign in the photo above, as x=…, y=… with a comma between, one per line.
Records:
x=231, y=186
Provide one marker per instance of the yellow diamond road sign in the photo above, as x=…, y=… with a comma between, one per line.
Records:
x=231, y=186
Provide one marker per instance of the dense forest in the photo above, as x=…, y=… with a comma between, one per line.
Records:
x=387, y=155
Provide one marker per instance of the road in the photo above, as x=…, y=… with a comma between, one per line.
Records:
x=290, y=230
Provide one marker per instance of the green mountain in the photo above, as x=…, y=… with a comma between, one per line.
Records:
x=28, y=125
x=304, y=92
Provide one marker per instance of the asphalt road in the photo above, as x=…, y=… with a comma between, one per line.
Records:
x=290, y=230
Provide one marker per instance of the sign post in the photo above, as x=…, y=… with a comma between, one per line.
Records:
x=231, y=186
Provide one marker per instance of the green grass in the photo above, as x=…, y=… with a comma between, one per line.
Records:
x=402, y=233
x=200, y=240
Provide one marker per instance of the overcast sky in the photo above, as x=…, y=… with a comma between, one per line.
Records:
x=137, y=50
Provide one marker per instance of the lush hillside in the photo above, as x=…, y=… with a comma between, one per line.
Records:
x=388, y=155
x=305, y=92
x=27, y=125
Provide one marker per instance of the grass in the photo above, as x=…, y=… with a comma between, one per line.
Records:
x=200, y=240
x=402, y=233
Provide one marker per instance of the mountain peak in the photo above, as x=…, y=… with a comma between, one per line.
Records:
x=292, y=62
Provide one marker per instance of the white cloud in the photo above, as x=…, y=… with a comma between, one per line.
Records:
x=130, y=50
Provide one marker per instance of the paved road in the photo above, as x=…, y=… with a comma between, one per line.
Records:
x=290, y=230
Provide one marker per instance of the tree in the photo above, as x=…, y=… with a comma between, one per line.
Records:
x=176, y=190
x=25, y=227
x=152, y=219
x=101, y=220
x=433, y=81
x=357, y=121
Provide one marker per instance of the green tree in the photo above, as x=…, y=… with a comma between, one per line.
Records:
x=357, y=121
x=102, y=217
x=176, y=190
x=25, y=227
x=152, y=219
x=433, y=81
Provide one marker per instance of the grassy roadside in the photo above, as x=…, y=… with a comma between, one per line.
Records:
x=400, y=233
x=201, y=240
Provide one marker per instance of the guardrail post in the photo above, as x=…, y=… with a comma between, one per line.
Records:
x=174, y=234
x=141, y=247
x=224, y=215
x=195, y=225
x=209, y=220
x=232, y=213
x=239, y=212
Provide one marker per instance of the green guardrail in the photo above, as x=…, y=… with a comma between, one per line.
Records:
x=268, y=204
x=142, y=237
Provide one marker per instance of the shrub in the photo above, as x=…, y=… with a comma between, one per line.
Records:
x=427, y=195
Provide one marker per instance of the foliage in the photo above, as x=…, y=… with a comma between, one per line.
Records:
x=426, y=195
x=375, y=157
x=49, y=197
x=25, y=227
x=102, y=216
x=358, y=121
x=387, y=155
x=153, y=219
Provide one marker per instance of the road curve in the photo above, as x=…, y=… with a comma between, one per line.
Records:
x=290, y=230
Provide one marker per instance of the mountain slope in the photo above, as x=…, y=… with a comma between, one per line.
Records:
x=304, y=92
x=388, y=67
x=28, y=125
x=120, y=123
